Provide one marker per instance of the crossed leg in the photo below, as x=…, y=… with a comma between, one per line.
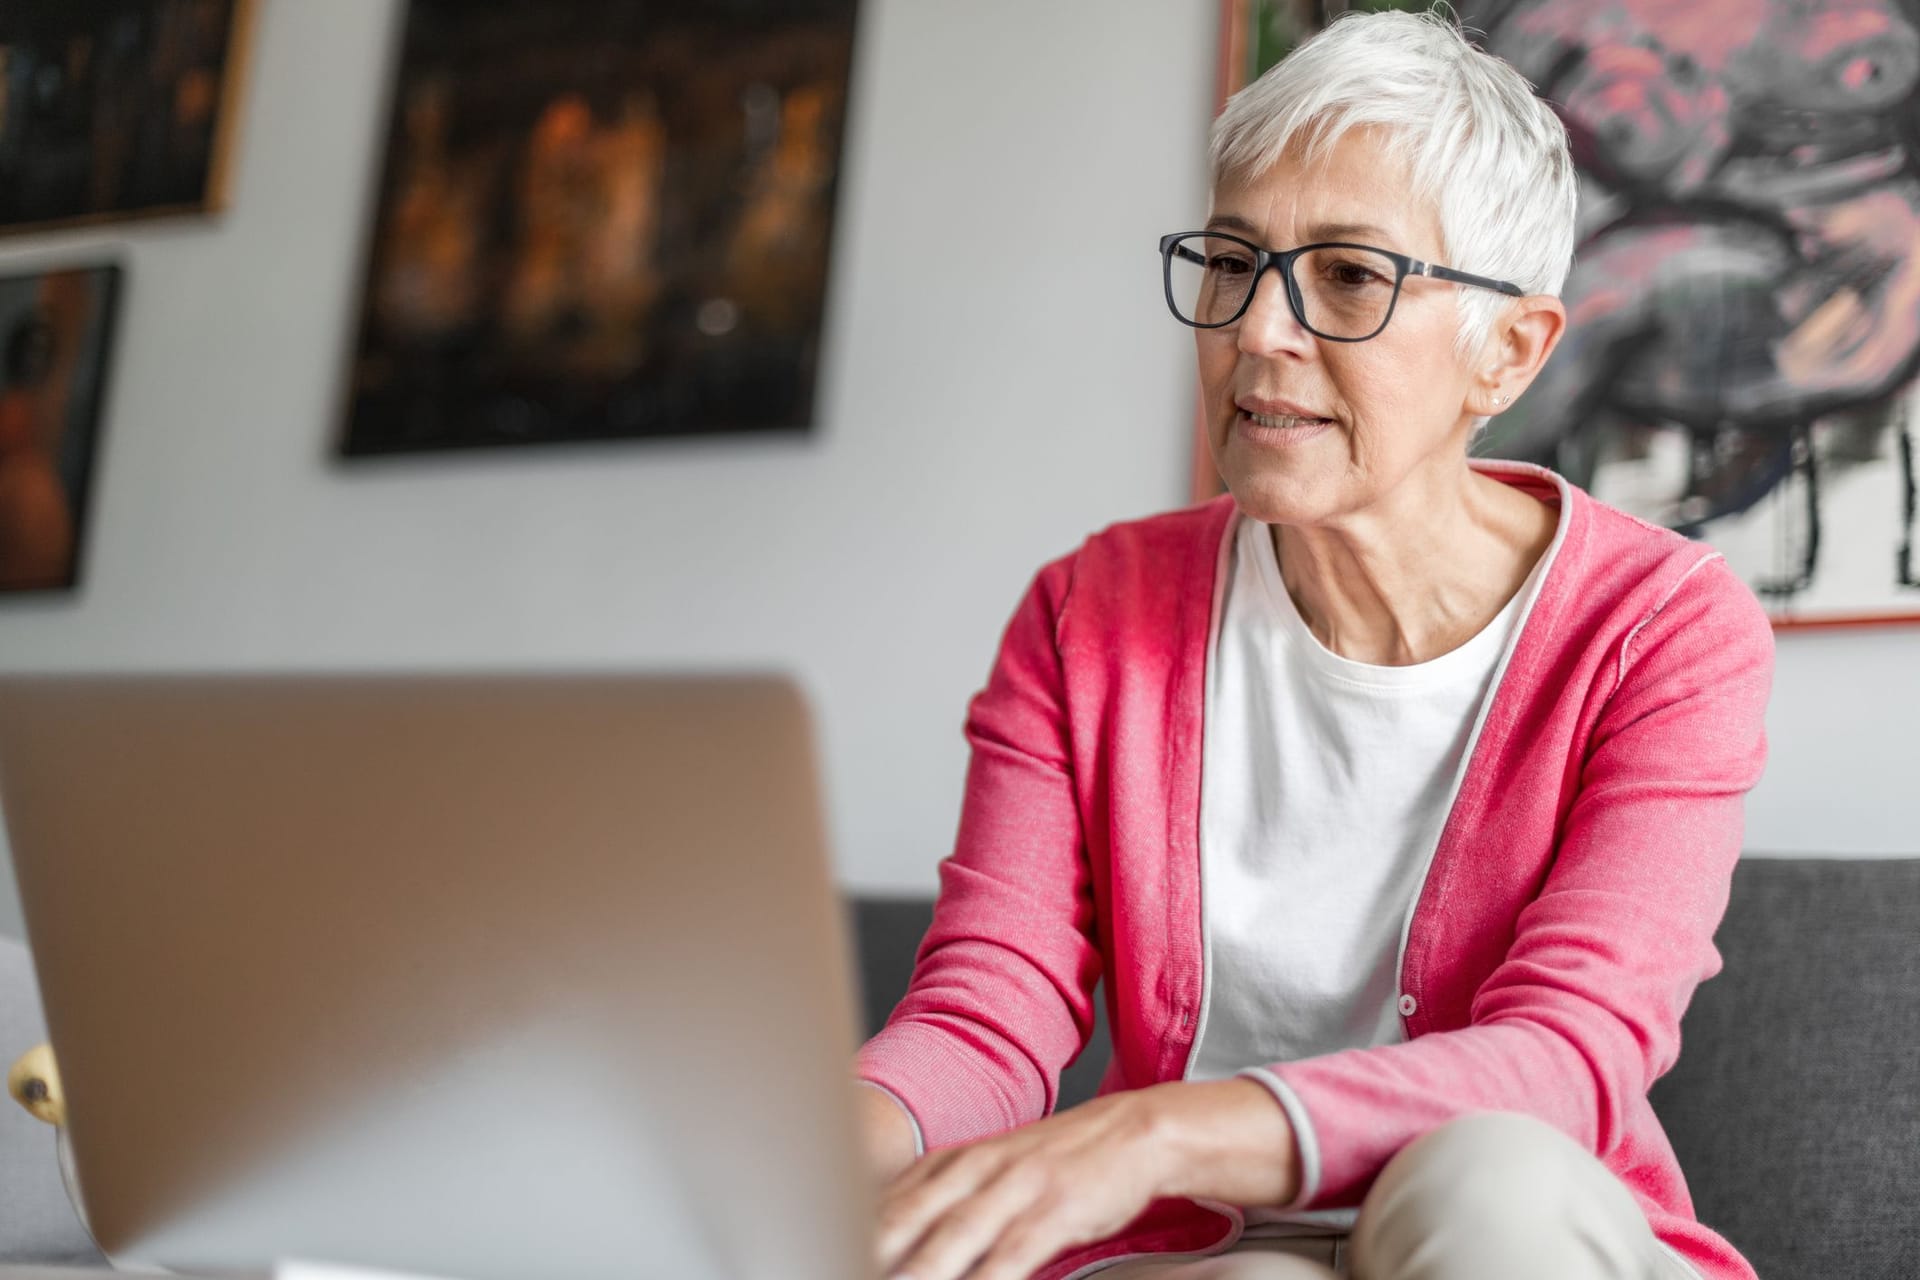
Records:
x=1492, y=1196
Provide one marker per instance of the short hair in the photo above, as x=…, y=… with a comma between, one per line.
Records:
x=1489, y=156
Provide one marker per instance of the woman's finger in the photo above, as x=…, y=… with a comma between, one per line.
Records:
x=913, y=1205
x=967, y=1231
x=1026, y=1243
x=925, y=1167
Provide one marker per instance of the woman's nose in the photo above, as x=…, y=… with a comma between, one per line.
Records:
x=1269, y=323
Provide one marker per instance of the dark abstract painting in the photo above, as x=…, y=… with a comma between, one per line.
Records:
x=56, y=336
x=116, y=108
x=1743, y=349
x=601, y=219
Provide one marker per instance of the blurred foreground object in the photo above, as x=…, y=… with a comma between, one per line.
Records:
x=34, y=1083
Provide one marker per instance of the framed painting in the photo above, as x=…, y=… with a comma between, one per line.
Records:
x=56, y=340
x=113, y=109
x=1742, y=359
x=601, y=219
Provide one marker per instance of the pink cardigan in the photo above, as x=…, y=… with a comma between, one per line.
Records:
x=1564, y=921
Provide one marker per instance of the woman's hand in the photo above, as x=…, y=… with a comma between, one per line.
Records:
x=997, y=1209
x=1000, y=1208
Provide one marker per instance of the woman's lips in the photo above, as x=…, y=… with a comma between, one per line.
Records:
x=1279, y=429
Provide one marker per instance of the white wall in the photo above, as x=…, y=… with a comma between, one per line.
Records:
x=1843, y=774
x=967, y=432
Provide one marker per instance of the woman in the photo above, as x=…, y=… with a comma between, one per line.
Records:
x=1395, y=796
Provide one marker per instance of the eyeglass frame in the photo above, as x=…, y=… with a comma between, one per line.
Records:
x=1263, y=259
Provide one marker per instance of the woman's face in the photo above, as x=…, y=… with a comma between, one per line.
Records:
x=1396, y=402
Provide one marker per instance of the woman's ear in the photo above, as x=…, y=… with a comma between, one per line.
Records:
x=1524, y=337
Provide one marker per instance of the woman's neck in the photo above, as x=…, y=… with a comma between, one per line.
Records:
x=1417, y=577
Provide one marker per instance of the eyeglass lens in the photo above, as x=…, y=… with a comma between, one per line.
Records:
x=1344, y=292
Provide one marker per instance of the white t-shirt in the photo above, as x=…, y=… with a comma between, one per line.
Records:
x=1324, y=785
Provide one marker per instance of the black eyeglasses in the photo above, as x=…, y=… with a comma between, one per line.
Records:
x=1341, y=292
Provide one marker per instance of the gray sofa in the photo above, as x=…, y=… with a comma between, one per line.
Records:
x=1795, y=1108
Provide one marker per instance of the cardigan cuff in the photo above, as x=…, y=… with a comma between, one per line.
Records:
x=1304, y=1139
x=960, y=1084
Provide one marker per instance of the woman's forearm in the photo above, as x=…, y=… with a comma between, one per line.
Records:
x=1225, y=1140
x=886, y=1132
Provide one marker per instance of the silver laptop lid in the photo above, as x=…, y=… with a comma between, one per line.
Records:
x=480, y=977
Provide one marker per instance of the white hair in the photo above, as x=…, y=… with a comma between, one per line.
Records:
x=1490, y=157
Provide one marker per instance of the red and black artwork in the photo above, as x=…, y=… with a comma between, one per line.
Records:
x=56, y=338
x=1742, y=358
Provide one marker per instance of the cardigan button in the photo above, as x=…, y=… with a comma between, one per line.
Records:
x=1407, y=1006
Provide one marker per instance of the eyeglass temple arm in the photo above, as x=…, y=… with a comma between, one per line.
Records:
x=1417, y=268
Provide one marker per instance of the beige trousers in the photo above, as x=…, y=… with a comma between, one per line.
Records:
x=1493, y=1196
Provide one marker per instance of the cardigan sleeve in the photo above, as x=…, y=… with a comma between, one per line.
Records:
x=1002, y=991
x=1583, y=1013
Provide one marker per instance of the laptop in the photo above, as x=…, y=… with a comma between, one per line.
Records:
x=475, y=977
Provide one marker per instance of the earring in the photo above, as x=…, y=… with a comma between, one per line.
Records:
x=1499, y=399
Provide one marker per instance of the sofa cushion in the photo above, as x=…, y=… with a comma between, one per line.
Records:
x=37, y=1223
x=1795, y=1106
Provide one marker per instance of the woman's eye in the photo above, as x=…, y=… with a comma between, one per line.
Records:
x=1349, y=273
x=1228, y=266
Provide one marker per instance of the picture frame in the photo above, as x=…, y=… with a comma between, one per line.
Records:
x=114, y=110
x=1755, y=391
x=600, y=220
x=57, y=330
